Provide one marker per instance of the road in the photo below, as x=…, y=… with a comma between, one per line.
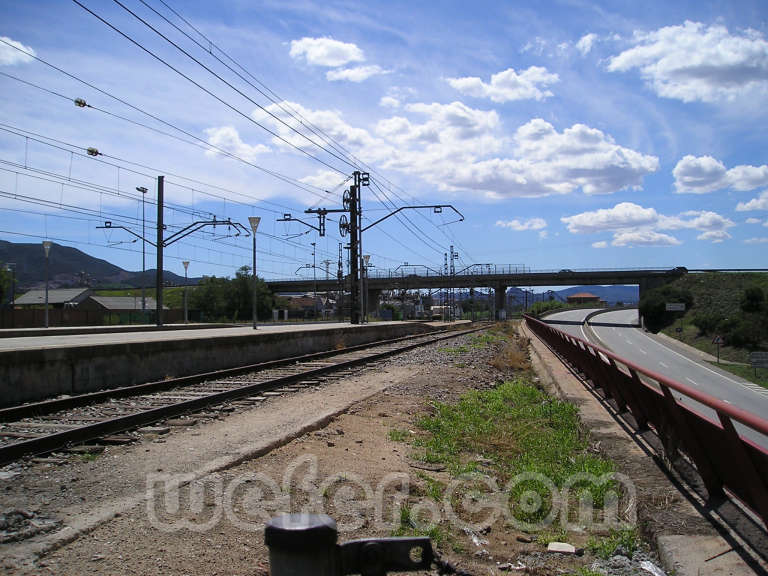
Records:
x=615, y=331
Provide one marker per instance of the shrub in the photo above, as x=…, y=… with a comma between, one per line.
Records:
x=753, y=299
x=707, y=322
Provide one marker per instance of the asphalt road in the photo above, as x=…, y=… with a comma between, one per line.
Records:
x=614, y=330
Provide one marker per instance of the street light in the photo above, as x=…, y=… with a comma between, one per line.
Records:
x=366, y=259
x=143, y=191
x=254, y=222
x=47, y=248
x=185, y=263
x=11, y=267
x=314, y=278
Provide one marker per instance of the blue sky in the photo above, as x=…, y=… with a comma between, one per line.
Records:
x=570, y=134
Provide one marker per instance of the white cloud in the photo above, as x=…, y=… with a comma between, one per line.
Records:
x=325, y=52
x=325, y=179
x=716, y=236
x=508, y=85
x=633, y=224
x=357, y=74
x=585, y=43
x=543, y=234
x=10, y=56
x=695, y=62
x=227, y=138
x=644, y=238
x=519, y=226
x=703, y=174
x=389, y=102
x=762, y=240
x=601, y=244
x=759, y=203
x=623, y=215
x=753, y=221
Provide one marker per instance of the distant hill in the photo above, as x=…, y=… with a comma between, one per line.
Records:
x=611, y=294
x=70, y=267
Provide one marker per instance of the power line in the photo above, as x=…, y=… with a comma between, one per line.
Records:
x=204, y=89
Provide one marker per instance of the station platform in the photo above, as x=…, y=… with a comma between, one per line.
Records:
x=34, y=367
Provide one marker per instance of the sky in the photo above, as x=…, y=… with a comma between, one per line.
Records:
x=569, y=135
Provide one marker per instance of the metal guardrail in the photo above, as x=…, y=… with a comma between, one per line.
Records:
x=725, y=460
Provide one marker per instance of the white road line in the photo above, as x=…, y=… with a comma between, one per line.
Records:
x=641, y=350
x=692, y=381
x=726, y=401
x=583, y=334
x=628, y=342
x=662, y=364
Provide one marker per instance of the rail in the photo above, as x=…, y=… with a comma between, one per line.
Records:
x=726, y=460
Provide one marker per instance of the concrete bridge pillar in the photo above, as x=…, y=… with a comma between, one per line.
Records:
x=500, y=299
x=372, y=297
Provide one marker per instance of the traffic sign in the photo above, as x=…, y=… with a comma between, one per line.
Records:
x=675, y=306
x=759, y=359
x=718, y=340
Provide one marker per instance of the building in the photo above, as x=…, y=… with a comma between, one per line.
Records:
x=584, y=298
x=58, y=298
x=118, y=303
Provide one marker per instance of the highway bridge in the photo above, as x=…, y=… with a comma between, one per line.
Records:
x=496, y=277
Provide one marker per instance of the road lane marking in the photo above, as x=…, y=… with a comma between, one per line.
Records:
x=628, y=341
x=643, y=351
x=692, y=381
x=662, y=364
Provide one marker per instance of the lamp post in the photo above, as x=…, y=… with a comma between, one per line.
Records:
x=366, y=259
x=47, y=249
x=314, y=279
x=11, y=267
x=254, y=222
x=186, y=265
x=143, y=190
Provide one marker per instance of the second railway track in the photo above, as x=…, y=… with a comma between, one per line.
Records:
x=44, y=427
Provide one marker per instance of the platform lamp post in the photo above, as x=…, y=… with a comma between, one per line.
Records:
x=47, y=249
x=11, y=267
x=366, y=259
x=143, y=190
x=185, y=263
x=254, y=222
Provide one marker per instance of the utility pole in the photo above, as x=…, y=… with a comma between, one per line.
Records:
x=159, y=276
x=454, y=257
x=340, y=277
x=445, y=289
x=314, y=279
x=354, y=253
x=143, y=190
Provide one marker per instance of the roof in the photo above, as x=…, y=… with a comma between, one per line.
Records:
x=583, y=295
x=58, y=296
x=125, y=302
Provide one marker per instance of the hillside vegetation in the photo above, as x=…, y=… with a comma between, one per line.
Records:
x=730, y=305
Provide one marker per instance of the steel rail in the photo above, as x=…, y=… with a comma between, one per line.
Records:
x=54, y=405
x=59, y=440
x=725, y=459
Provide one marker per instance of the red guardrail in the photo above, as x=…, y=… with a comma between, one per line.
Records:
x=725, y=460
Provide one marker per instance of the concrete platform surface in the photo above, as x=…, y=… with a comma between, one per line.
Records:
x=89, y=337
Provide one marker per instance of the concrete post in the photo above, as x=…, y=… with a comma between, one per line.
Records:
x=499, y=292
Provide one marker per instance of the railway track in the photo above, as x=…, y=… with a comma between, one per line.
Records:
x=104, y=417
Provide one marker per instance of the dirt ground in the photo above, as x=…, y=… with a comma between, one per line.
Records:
x=354, y=463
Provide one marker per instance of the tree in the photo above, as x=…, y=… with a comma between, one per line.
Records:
x=653, y=306
x=753, y=299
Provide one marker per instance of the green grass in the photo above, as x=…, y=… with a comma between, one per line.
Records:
x=626, y=541
x=519, y=429
x=746, y=372
x=586, y=572
x=487, y=338
x=455, y=351
x=397, y=435
x=435, y=488
x=411, y=526
x=553, y=534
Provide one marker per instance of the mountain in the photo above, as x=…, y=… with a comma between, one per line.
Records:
x=70, y=267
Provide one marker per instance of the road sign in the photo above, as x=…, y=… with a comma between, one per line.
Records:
x=718, y=340
x=759, y=359
x=675, y=306
x=678, y=329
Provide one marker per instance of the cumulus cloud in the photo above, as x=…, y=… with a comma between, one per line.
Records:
x=457, y=148
x=389, y=102
x=623, y=215
x=356, y=74
x=694, y=62
x=325, y=179
x=325, y=52
x=10, y=56
x=585, y=43
x=601, y=244
x=759, y=203
x=753, y=221
x=227, y=138
x=644, y=238
x=520, y=226
x=636, y=225
x=762, y=240
x=703, y=174
x=508, y=85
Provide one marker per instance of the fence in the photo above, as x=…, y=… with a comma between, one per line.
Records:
x=35, y=318
x=725, y=459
